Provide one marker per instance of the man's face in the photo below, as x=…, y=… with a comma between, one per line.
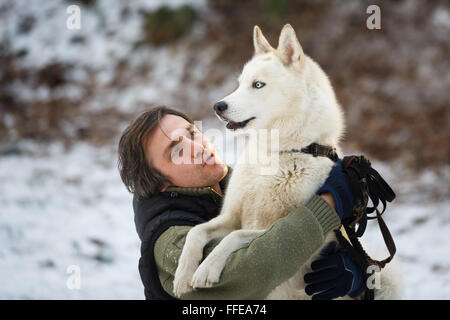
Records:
x=183, y=154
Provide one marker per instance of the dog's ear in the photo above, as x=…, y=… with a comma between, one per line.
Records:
x=289, y=49
x=260, y=42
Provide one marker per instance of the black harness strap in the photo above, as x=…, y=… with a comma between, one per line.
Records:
x=365, y=183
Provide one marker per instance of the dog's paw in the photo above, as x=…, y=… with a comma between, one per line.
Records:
x=181, y=286
x=206, y=274
x=182, y=282
x=183, y=276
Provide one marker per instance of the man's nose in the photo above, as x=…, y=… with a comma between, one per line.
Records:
x=220, y=107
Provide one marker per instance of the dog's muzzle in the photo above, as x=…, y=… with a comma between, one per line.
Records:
x=220, y=108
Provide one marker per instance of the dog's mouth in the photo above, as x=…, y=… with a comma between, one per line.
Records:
x=238, y=125
x=231, y=125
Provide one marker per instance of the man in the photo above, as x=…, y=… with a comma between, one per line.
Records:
x=171, y=196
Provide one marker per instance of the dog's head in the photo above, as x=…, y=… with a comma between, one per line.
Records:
x=277, y=85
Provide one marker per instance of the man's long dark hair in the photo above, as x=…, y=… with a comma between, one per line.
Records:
x=136, y=170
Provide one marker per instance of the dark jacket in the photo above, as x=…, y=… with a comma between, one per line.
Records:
x=156, y=214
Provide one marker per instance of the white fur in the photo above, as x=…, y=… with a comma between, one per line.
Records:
x=299, y=102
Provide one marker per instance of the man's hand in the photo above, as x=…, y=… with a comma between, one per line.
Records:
x=333, y=276
x=337, y=185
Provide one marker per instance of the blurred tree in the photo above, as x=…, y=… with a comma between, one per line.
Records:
x=167, y=24
x=276, y=9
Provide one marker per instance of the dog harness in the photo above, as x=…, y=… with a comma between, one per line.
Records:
x=365, y=183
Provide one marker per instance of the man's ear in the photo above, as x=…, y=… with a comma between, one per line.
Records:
x=260, y=42
x=289, y=49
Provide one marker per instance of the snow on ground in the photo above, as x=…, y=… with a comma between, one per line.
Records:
x=60, y=208
x=421, y=234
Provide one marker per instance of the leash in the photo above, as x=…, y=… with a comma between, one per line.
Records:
x=365, y=183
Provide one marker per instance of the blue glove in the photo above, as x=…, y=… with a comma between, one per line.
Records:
x=337, y=184
x=333, y=276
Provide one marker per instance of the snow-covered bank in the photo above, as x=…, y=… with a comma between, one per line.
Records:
x=60, y=208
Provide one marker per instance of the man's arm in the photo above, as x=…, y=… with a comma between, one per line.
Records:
x=255, y=269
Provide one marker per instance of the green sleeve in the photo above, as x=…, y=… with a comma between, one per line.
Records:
x=256, y=268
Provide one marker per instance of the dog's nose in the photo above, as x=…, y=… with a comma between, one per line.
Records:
x=220, y=106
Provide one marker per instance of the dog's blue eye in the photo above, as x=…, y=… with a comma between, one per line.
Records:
x=258, y=84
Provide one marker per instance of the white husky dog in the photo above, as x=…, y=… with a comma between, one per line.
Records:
x=279, y=89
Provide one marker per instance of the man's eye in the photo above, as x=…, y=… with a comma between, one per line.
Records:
x=193, y=133
x=258, y=84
